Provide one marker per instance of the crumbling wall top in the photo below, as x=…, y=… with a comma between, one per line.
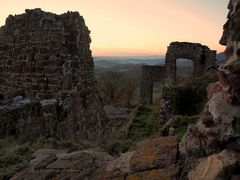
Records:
x=178, y=44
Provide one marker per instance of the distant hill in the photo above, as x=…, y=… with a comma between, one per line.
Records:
x=108, y=62
x=121, y=63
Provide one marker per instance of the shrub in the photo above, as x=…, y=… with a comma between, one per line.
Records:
x=118, y=147
x=180, y=124
x=190, y=97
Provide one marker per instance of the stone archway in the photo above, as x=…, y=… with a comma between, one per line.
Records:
x=201, y=56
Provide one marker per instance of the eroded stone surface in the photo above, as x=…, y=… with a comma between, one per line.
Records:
x=217, y=166
x=155, y=153
x=122, y=163
x=156, y=174
x=230, y=71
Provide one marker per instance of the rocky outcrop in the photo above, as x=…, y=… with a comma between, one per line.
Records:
x=48, y=56
x=154, y=159
x=216, y=135
x=230, y=72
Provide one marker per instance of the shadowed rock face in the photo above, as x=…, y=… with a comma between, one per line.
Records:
x=49, y=57
x=217, y=166
x=217, y=133
x=230, y=72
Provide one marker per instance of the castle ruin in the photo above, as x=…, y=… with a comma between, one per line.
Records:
x=201, y=56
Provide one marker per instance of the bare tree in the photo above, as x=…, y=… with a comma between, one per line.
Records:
x=109, y=85
x=128, y=89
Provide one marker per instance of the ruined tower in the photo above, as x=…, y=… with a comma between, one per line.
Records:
x=49, y=57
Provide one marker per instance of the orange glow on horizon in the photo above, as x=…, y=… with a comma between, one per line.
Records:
x=137, y=27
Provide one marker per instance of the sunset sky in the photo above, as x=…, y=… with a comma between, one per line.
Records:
x=137, y=27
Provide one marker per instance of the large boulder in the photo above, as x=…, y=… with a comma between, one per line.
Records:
x=216, y=167
x=155, y=153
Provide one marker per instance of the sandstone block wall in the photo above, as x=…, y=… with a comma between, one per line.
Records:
x=49, y=57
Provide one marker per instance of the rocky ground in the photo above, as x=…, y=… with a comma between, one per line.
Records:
x=150, y=159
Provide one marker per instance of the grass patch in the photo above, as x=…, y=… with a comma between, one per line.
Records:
x=118, y=147
x=11, y=153
x=181, y=132
x=143, y=125
x=180, y=124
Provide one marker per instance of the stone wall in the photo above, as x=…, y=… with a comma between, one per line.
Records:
x=150, y=74
x=44, y=53
x=49, y=57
